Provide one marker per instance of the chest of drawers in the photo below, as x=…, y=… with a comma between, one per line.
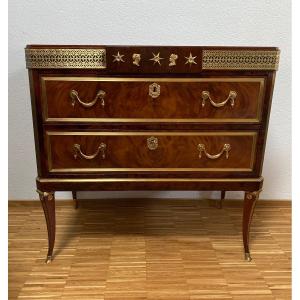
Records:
x=150, y=117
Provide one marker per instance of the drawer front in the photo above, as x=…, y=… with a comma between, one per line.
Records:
x=82, y=99
x=150, y=151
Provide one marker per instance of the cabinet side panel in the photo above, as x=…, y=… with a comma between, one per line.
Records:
x=37, y=119
x=265, y=120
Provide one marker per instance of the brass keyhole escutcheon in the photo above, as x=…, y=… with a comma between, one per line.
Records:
x=154, y=90
x=152, y=143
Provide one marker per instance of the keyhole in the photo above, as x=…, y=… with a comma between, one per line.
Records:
x=154, y=90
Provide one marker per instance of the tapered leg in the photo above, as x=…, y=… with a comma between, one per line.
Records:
x=48, y=203
x=249, y=204
x=74, y=195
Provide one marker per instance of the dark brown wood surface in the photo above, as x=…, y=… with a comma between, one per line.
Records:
x=140, y=183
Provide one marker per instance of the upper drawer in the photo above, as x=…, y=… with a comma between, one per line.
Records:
x=88, y=99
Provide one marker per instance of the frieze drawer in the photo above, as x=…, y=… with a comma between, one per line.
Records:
x=92, y=99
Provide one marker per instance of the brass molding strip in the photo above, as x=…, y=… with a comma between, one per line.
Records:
x=260, y=80
x=154, y=79
x=140, y=120
x=44, y=180
x=65, y=58
x=149, y=133
x=91, y=170
x=240, y=59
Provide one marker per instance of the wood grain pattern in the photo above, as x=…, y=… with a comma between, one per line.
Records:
x=150, y=249
x=129, y=98
x=130, y=150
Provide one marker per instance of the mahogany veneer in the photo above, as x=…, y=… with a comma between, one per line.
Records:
x=129, y=98
x=150, y=117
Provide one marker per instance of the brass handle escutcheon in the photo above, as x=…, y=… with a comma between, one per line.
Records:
x=226, y=149
x=152, y=143
x=154, y=90
x=78, y=153
x=231, y=97
x=100, y=95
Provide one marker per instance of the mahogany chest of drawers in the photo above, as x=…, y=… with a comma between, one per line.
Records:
x=150, y=117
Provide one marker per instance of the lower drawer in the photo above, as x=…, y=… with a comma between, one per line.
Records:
x=87, y=152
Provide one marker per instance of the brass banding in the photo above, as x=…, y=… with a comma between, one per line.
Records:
x=240, y=59
x=65, y=58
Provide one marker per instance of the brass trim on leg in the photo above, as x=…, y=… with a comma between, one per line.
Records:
x=49, y=259
x=48, y=195
x=248, y=257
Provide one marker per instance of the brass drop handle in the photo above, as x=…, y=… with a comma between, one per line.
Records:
x=154, y=90
x=78, y=153
x=231, y=97
x=100, y=95
x=152, y=143
x=226, y=148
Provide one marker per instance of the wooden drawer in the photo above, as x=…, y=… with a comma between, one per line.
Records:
x=150, y=151
x=87, y=99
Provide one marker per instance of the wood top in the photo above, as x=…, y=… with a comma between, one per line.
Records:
x=40, y=46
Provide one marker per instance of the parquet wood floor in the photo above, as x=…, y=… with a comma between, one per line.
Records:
x=150, y=249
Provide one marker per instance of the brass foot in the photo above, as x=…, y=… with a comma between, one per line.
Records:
x=248, y=257
x=48, y=259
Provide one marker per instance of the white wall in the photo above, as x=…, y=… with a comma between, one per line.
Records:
x=205, y=22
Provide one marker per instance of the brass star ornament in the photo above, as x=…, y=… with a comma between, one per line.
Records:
x=118, y=57
x=156, y=58
x=190, y=60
